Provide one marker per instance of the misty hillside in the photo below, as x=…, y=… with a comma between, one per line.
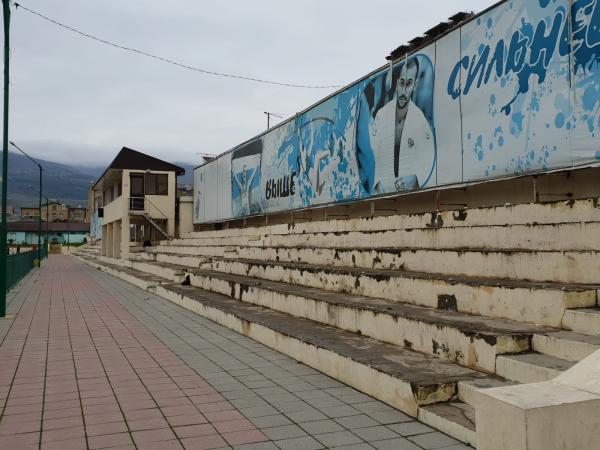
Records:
x=66, y=183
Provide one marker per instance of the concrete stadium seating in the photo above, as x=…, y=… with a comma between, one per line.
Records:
x=421, y=311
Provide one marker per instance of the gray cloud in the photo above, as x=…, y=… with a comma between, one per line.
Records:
x=76, y=101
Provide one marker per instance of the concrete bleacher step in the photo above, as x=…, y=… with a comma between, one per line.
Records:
x=558, y=266
x=559, y=212
x=568, y=345
x=550, y=237
x=531, y=367
x=472, y=341
x=469, y=389
x=534, y=302
x=403, y=378
x=455, y=418
x=469, y=340
x=140, y=279
x=584, y=320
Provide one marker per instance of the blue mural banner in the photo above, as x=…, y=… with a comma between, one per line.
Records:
x=515, y=90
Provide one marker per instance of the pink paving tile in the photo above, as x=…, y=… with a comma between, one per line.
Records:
x=244, y=437
x=211, y=407
x=106, y=428
x=21, y=427
x=179, y=410
x=109, y=440
x=162, y=445
x=61, y=404
x=62, y=412
x=140, y=404
x=204, y=442
x=147, y=424
x=70, y=444
x=63, y=434
x=64, y=422
x=164, y=434
x=187, y=419
x=95, y=419
x=22, y=409
x=18, y=418
x=219, y=416
x=19, y=441
x=233, y=425
x=177, y=401
x=150, y=413
x=208, y=398
x=112, y=407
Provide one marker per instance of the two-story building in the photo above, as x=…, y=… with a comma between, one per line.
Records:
x=139, y=201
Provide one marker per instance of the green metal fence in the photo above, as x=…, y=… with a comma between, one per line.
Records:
x=19, y=265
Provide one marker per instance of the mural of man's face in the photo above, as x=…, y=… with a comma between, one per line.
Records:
x=406, y=83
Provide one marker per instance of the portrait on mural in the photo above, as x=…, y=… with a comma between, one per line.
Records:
x=396, y=148
x=245, y=179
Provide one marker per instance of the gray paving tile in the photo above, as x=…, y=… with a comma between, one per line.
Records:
x=359, y=421
x=410, y=428
x=321, y=426
x=257, y=446
x=363, y=446
x=395, y=444
x=338, y=438
x=389, y=417
x=306, y=415
x=271, y=421
x=301, y=443
x=374, y=433
x=458, y=447
x=283, y=432
x=433, y=440
x=259, y=411
x=293, y=406
x=248, y=402
x=339, y=411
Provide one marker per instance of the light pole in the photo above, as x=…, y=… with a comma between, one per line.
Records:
x=39, y=203
x=3, y=257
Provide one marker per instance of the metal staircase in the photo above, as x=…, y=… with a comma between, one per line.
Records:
x=157, y=226
x=139, y=206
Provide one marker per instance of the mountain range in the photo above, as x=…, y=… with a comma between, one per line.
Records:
x=63, y=182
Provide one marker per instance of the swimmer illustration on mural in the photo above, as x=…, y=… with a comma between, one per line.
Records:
x=395, y=138
x=245, y=179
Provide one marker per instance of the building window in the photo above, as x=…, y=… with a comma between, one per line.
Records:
x=157, y=184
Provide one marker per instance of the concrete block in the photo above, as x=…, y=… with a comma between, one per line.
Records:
x=538, y=416
x=554, y=415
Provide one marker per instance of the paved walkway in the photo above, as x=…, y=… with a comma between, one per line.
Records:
x=93, y=362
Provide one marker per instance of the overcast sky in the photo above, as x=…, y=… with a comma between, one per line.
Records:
x=77, y=101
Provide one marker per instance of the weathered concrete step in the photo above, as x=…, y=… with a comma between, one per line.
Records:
x=557, y=266
x=470, y=389
x=559, y=237
x=456, y=419
x=472, y=341
x=531, y=367
x=584, y=320
x=140, y=279
x=568, y=345
x=523, y=301
x=402, y=378
x=586, y=210
x=187, y=249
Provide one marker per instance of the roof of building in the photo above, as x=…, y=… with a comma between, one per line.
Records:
x=129, y=159
x=54, y=227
